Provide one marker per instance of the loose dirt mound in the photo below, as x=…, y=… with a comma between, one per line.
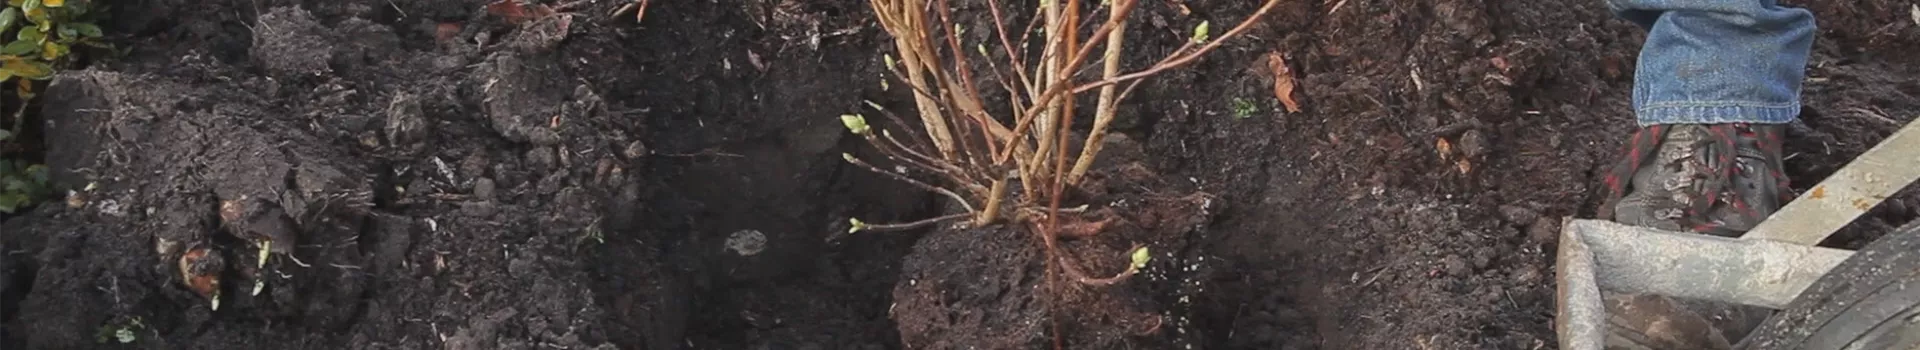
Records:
x=456, y=180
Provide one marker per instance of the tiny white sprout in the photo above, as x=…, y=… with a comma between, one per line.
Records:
x=266, y=246
x=856, y=225
x=124, y=335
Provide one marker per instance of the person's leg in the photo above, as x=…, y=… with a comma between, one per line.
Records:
x=1718, y=61
x=1715, y=80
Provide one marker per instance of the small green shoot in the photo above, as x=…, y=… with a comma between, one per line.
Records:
x=120, y=332
x=856, y=225
x=856, y=123
x=266, y=247
x=1200, y=33
x=1244, y=108
x=1141, y=258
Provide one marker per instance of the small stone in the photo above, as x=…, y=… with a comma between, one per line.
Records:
x=1456, y=266
x=1543, y=230
x=1482, y=258
x=747, y=242
x=551, y=183
x=521, y=267
x=474, y=165
x=1518, y=215
x=635, y=150
x=1473, y=144
x=290, y=43
x=541, y=158
x=479, y=209
x=406, y=122
x=483, y=189
x=1527, y=276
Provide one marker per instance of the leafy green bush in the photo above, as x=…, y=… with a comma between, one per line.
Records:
x=46, y=32
x=43, y=34
x=21, y=184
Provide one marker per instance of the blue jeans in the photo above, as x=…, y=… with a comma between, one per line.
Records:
x=1718, y=61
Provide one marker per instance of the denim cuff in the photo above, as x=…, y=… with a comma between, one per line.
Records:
x=1717, y=113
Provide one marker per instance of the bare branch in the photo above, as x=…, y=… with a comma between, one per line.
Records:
x=1060, y=84
x=1182, y=59
x=903, y=177
x=1108, y=103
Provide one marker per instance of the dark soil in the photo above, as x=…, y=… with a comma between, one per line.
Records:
x=448, y=179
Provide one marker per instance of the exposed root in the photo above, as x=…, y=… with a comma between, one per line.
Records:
x=1072, y=269
x=1080, y=228
x=862, y=226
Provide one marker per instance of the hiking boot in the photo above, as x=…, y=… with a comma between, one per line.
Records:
x=1718, y=179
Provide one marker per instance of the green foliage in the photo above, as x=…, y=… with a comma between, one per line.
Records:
x=1244, y=108
x=43, y=34
x=1200, y=33
x=21, y=185
x=121, y=332
x=39, y=35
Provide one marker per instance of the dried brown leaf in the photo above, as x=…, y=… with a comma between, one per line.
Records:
x=1080, y=228
x=1282, y=81
x=446, y=31
x=515, y=12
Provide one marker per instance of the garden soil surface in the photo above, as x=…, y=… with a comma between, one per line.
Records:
x=443, y=177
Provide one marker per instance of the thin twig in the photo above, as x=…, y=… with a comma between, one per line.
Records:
x=1179, y=60
x=1060, y=84
x=902, y=177
x=1000, y=26
x=933, y=166
x=895, y=118
x=915, y=224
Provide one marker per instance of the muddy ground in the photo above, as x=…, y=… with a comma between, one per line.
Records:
x=459, y=181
